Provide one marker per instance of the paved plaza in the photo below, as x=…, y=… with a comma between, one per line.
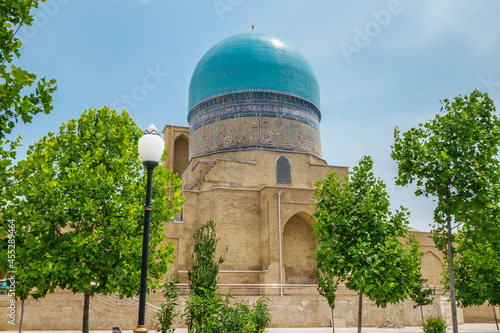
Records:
x=465, y=328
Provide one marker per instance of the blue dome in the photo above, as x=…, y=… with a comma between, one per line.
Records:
x=253, y=61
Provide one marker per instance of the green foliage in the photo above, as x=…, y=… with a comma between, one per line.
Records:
x=203, y=274
x=421, y=296
x=213, y=313
x=202, y=312
x=357, y=237
x=15, y=103
x=261, y=314
x=327, y=285
x=168, y=313
x=77, y=207
x=16, y=256
x=434, y=324
x=453, y=157
x=477, y=269
x=206, y=310
x=237, y=318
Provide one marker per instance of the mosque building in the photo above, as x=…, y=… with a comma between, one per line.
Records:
x=250, y=160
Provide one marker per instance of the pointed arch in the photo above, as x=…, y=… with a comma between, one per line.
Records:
x=431, y=268
x=298, y=242
x=181, y=153
x=283, y=171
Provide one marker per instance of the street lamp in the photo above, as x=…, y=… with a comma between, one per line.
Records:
x=151, y=147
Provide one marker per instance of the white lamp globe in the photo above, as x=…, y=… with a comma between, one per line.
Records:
x=151, y=146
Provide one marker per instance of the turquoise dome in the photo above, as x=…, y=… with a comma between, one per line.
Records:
x=253, y=61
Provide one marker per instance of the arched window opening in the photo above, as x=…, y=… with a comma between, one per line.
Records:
x=181, y=153
x=283, y=171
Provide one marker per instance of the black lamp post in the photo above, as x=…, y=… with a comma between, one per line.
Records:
x=151, y=147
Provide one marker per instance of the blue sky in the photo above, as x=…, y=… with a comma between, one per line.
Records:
x=379, y=64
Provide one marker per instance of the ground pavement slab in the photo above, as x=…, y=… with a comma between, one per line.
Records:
x=465, y=328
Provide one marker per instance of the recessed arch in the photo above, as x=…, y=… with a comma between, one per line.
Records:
x=283, y=171
x=298, y=243
x=180, y=153
x=431, y=268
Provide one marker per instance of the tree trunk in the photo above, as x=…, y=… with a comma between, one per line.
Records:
x=495, y=314
x=450, y=264
x=86, y=308
x=22, y=314
x=422, y=313
x=333, y=321
x=360, y=310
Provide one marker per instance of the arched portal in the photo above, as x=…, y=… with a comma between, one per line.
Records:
x=298, y=241
x=181, y=153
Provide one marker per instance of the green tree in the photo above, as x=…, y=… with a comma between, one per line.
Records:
x=79, y=196
x=15, y=103
x=204, y=305
x=421, y=296
x=357, y=237
x=327, y=287
x=16, y=256
x=477, y=269
x=203, y=274
x=206, y=310
x=168, y=313
x=453, y=158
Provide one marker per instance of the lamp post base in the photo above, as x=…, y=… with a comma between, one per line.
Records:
x=141, y=329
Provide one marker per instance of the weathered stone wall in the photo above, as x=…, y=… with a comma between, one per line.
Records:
x=256, y=168
x=63, y=311
x=480, y=314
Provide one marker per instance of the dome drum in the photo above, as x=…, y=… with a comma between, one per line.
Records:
x=254, y=120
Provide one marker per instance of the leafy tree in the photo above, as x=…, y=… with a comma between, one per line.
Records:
x=453, y=158
x=203, y=274
x=477, y=269
x=206, y=310
x=357, y=237
x=421, y=296
x=167, y=313
x=79, y=196
x=15, y=104
x=327, y=287
x=16, y=257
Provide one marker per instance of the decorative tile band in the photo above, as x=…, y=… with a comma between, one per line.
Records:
x=241, y=91
x=252, y=99
x=255, y=132
x=254, y=120
x=257, y=110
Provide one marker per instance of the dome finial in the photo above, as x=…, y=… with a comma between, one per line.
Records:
x=252, y=26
